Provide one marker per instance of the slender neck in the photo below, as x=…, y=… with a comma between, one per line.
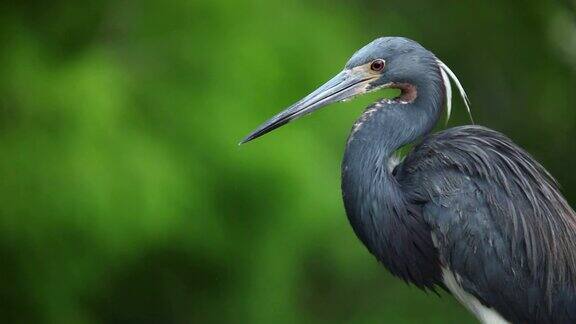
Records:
x=391, y=124
x=374, y=201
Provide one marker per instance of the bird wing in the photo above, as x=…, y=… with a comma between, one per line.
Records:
x=474, y=253
x=502, y=229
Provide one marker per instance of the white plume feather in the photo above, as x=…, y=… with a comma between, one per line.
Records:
x=447, y=74
x=448, y=91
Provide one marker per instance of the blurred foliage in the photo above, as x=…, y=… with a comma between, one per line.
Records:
x=125, y=199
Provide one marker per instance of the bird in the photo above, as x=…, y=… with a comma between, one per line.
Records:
x=466, y=210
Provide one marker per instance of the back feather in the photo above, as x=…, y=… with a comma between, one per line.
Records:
x=546, y=230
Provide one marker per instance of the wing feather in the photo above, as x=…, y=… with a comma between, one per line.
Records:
x=500, y=221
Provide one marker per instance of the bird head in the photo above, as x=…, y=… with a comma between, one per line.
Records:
x=387, y=62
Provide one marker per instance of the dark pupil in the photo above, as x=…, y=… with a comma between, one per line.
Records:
x=377, y=65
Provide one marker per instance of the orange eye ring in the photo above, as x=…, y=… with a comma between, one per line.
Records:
x=377, y=65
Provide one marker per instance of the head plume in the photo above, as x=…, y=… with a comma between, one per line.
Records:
x=447, y=74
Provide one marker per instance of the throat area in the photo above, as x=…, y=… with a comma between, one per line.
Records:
x=408, y=93
x=389, y=124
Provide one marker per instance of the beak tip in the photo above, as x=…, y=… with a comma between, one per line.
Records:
x=263, y=129
x=246, y=139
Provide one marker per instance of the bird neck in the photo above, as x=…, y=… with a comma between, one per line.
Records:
x=391, y=124
x=375, y=203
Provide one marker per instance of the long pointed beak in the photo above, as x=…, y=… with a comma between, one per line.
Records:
x=344, y=85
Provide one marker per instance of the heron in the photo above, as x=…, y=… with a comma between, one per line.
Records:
x=466, y=210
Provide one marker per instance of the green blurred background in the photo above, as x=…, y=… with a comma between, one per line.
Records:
x=124, y=197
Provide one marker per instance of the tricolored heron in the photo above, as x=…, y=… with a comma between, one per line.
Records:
x=467, y=210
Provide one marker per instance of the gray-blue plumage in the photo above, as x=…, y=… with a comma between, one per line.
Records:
x=467, y=208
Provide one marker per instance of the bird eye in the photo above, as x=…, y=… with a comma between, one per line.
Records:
x=377, y=65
